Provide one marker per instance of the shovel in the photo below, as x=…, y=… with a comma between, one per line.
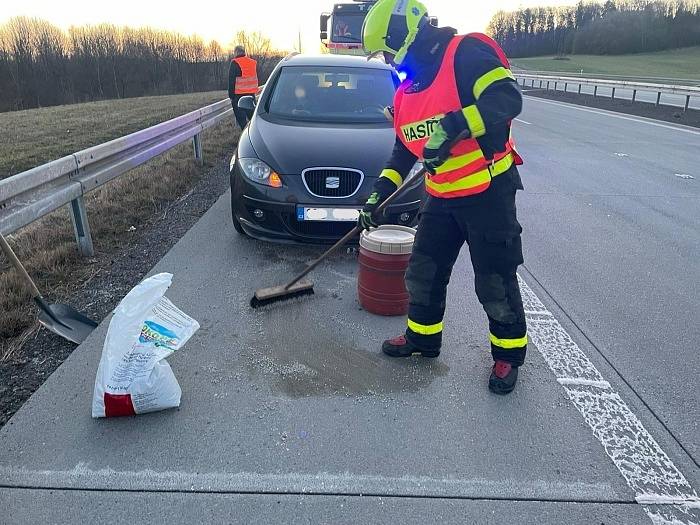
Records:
x=61, y=319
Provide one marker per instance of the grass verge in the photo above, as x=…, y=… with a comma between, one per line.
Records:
x=675, y=63
x=116, y=212
x=36, y=136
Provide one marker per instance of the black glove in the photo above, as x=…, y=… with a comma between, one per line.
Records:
x=383, y=188
x=437, y=149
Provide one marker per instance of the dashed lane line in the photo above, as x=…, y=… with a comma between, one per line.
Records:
x=665, y=494
x=523, y=121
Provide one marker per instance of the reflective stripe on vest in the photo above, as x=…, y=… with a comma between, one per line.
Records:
x=467, y=171
x=247, y=83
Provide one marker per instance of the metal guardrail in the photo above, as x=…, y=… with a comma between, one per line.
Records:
x=546, y=81
x=30, y=195
x=608, y=76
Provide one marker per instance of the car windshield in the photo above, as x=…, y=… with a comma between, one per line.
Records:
x=332, y=94
x=347, y=29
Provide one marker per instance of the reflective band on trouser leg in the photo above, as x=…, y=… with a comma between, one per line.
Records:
x=484, y=81
x=393, y=175
x=508, y=344
x=476, y=124
x=423, y=329
x=509, y=350
x=466, y=185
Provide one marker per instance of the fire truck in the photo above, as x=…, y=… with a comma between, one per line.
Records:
x=341, y=30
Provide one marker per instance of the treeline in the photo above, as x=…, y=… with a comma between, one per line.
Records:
x=42, y=65
x=610, y=28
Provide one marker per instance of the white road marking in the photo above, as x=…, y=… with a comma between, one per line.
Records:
x=684, y=176
x=523, y=121
x=641, y=120
x=583, y=382
x=666, y=495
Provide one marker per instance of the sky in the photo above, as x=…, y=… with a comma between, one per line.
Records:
x=280, y=20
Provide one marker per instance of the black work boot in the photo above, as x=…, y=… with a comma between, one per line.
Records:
x=401, y=347
x=503, y=378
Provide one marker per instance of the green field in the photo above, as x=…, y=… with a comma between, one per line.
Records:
x=677, y=63
x=36, y=136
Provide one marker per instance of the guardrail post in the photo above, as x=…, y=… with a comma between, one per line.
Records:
x=634, y=95
x=540, y=84
x=658, y=98
x=613, y=94
x=81, y=227
x=566, y=87
x=548, y=85
x=595, y=90
x=197, y=144
x=579, y=89
x=687, y=103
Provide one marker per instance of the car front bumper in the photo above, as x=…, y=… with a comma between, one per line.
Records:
x=271, y=214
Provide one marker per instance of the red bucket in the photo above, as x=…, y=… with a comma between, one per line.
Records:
x=384, y=256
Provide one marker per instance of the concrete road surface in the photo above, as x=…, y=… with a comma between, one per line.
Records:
x=291, y=414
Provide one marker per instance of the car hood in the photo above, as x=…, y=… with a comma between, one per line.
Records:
x=291, y=148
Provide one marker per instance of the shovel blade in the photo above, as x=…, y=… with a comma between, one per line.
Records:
x=67, y=322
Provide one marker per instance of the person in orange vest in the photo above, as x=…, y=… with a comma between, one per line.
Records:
x=242, y=81
x=453, y=112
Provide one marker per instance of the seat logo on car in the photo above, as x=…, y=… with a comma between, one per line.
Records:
x=332, y=183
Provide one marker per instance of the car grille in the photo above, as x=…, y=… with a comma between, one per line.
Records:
x=332, y=183
x=331, y=229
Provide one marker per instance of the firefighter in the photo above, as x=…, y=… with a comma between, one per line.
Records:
x=242, y=81
x=453, y=113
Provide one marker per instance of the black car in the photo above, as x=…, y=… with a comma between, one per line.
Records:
x=317, y=140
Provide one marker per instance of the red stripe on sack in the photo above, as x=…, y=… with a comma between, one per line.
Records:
x=117, y=405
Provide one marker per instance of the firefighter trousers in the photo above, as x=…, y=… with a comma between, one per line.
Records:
x=487, y=222
x=240, y=114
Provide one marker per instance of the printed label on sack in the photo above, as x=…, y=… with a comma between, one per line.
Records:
x=161, y=334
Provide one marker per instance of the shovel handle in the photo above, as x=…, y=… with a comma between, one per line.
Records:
x=7, y=250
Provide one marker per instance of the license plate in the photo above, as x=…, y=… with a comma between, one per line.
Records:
x=327, y=214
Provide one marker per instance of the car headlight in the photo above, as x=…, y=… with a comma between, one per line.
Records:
x=257, y=171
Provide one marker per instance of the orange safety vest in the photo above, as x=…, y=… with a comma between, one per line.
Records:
x=467, y=171
x=247, y=83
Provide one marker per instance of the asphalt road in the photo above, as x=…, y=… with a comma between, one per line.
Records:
x=291, y=414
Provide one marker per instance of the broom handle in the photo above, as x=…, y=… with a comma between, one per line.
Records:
x=7, y=250
x=379, y=210
x=357, y=229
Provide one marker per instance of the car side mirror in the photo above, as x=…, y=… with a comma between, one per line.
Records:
x=247, y=103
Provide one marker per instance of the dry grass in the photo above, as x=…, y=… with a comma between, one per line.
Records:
x=37, y=136
x=48, y=247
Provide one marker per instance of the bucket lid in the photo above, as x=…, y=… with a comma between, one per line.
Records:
x=389, y=239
